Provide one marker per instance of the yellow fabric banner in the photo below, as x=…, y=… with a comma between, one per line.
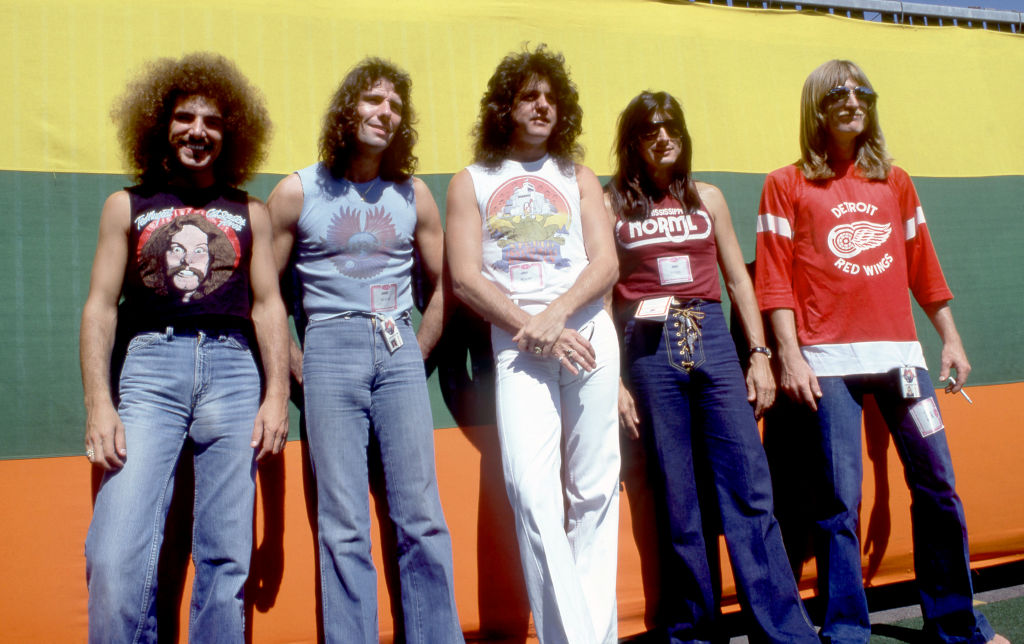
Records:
x=949, y=102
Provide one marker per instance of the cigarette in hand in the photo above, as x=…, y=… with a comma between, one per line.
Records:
x=952, y=383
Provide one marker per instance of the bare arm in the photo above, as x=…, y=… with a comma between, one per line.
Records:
x=953, y=354
x=464, y=245
x=270, y=431
x=285, y=206
x=430, y=244
x=104, y=432
x=798, y=379
x=760, y=382
x=629, y=417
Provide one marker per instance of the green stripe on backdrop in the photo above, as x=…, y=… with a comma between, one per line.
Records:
x=52, y=221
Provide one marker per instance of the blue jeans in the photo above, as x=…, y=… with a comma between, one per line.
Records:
x=176, y=387
x=702, y=414
x=356, y=388
x=937, y=515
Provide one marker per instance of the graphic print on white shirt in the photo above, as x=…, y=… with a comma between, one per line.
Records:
x=529, y=220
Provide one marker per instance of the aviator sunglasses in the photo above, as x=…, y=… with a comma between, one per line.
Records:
x=865, y=95
x=649, y=131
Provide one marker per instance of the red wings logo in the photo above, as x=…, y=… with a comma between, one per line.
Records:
x=848, y=240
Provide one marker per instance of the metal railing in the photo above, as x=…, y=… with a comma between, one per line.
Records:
x=906, y=13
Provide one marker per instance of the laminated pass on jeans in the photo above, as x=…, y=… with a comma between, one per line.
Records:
x=389, y=331
x=926, y=417
x=683, y=339
x=909, y=386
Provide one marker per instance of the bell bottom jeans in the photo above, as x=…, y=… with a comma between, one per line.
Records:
x=173, y=387
x=354, y=386
x=703, y=414
x=937, y=515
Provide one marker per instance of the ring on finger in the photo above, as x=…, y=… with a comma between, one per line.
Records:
x=538, y=350
x=90, y=453
x=570, y=353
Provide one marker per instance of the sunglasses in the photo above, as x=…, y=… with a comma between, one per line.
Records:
x=865, y=96
x=649, y=132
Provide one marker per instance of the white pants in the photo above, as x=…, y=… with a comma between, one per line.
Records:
x=550, y=421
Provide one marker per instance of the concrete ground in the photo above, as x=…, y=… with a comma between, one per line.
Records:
x=886, y=624
x=896, y=615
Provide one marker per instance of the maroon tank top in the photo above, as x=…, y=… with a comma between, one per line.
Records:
x=670, y=252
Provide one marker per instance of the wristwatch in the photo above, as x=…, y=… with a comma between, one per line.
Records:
x=765, y=350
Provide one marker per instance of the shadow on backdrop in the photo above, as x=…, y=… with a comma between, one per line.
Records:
x=465, y=370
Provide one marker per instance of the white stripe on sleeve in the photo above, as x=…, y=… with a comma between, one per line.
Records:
x=914, y=222
x=768, y=223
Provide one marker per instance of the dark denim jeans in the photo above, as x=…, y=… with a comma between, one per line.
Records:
x=939, y=531
x=703, y=415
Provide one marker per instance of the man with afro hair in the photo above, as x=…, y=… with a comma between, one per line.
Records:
x=190, y=254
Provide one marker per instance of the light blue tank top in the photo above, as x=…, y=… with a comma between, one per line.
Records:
x=354, y=245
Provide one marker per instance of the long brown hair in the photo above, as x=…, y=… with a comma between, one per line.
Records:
x=492, y=136
x=338, y=144
x=872, y=156
x=631, y=190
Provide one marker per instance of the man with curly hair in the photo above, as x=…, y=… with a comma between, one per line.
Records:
x=841, y=243
x=191, y=256
x=530, y=249
x=352, y=224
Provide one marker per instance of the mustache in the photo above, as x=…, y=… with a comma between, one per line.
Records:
x=173, y=271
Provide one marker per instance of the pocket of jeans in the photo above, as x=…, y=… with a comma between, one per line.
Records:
x=143, y=340
x=234, y=340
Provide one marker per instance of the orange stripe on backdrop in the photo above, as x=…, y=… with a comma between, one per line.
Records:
x=43, y=598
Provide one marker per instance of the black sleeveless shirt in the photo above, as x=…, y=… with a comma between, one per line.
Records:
x=188, y=264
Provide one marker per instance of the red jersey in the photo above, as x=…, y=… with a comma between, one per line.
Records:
x=670, y=252
x=842, y=253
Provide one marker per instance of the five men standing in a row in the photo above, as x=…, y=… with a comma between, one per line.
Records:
x=530, y=249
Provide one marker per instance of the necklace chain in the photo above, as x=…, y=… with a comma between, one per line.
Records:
x=362, y=194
